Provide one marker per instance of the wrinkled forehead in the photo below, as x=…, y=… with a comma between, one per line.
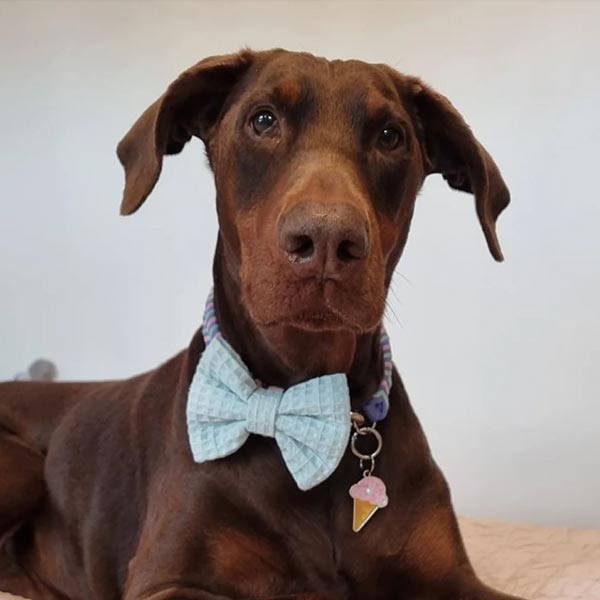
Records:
x=309, y=82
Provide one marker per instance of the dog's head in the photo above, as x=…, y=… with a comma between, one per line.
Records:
x=317, y=166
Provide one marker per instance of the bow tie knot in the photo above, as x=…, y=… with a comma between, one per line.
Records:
x=261, y=414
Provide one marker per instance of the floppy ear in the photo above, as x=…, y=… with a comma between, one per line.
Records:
x=191, y=106
x=451, y=149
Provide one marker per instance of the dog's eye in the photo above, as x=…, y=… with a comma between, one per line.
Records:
x=390, y=138
x=263, y=121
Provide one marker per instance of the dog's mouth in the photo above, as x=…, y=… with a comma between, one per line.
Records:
x=316, y=307
x=323, y=319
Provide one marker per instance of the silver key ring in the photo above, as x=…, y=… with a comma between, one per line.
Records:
x=366, y=431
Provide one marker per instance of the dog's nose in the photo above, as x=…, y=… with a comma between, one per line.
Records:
x=331, y=240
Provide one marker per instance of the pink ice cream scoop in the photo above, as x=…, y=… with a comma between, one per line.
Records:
x=370, y=489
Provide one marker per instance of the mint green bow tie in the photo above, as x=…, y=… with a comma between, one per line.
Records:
x=309, y=421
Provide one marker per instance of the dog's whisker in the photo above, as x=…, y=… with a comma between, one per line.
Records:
x=403, y=277
x=390, y=309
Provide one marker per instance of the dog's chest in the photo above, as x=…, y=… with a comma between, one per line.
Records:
x=248, y=531
x=269, y=538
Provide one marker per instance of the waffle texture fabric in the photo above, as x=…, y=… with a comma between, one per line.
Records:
x=310, y=421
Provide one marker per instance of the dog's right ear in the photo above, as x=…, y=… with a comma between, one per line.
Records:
x=191, y=106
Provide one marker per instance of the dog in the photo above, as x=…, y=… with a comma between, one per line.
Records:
x=317, y=165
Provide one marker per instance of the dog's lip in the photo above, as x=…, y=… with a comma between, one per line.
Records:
x=319, y=312
x=322, y=319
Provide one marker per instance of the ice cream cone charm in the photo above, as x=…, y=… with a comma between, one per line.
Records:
x=369, y=495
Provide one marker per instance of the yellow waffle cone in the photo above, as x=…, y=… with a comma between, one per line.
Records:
x=363, y=511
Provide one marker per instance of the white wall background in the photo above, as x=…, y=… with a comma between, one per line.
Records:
x=501, y=361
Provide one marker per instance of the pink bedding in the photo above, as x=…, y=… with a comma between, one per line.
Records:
x=537, y=563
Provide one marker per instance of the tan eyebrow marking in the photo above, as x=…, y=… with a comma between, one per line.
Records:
x=289, y=91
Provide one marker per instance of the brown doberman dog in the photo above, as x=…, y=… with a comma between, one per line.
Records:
x=317, y=166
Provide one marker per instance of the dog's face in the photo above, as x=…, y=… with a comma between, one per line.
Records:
x=317, y=166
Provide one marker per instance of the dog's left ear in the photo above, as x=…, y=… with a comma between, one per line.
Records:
x=190, y=106
x=451, y=149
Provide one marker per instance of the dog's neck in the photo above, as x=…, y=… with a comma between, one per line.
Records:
x=285, y=355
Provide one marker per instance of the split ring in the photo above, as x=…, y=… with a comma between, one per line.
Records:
x=362, y=432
